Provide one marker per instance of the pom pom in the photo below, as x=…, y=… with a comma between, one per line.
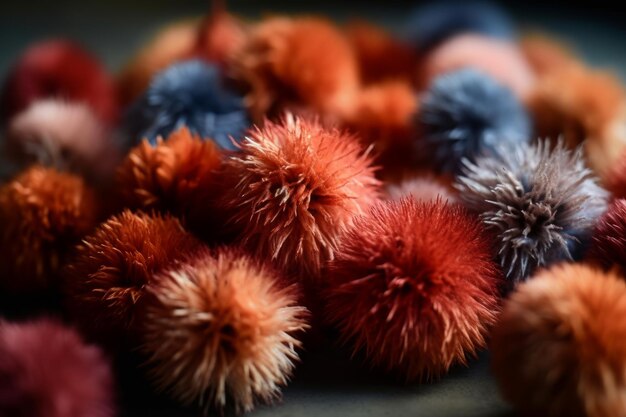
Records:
x=426, y=188
x=287, y=62
x=501, y=60
x=296, y=186
x=545, y=54
x=608, y=241
x=190, y=93
x=173, y=43
x=106, y=280
x=379, y=55
x=434, y=22
x=466, y=113
x=541, y=202
x=559, y=348
x=59, y=69
x=220, y=331
x=43, y=213
x=413, y=286
x=615, y=180
x=64, y=135
x=176, y=176
x=48, y=371
x=220, y=35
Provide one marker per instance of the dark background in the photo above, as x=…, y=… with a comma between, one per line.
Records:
x=326, y=384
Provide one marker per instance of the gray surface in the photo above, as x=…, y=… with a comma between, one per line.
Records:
x=327, y=384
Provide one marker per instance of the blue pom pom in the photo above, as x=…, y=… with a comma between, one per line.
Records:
x=466, y=113
x=190, y=93
x=437, y=21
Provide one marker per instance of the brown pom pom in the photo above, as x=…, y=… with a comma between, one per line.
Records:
x=176, y=176
x=106, y=280
x=582, y=105
x=173, y=43
x=220, y=35
x=296, y=186
x=422, y=188
x=43, y=213
x=545, y=54
x=220, y=331
x=379, y=55
x=414, y=286
x=559, y=348
x=302, y=61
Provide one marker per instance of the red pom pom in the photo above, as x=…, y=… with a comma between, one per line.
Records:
x=106, y=281
x=219, y=330
x=47, y=371
x=59, y=69
x=413, y=285
x=608, y=241
x=295, y=187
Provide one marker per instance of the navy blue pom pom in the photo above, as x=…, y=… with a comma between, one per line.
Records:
x=190, y=93
x=466, y=113
x=437, y=21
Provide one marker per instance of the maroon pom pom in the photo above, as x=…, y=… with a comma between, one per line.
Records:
x=414, y=286
x=59, y=69
x=608, y=241
x=47, y=371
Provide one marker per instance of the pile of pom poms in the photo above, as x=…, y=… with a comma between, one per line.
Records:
x=243, y=192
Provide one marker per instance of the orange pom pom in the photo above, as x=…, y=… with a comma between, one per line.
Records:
x=220, y=35
x=219, y=330
x=43, y=213
x=177, y=176
x=379, y=55
x=105, y=282
x=545, y=54
x=559, y=347
x=301, y=61
x=296, y=186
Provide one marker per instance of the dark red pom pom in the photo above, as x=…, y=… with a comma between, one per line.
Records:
x=608, y=241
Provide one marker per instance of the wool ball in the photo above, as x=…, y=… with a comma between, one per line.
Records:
x=219, y=330
x=293, y=188
x=436, y=21
x=466, y=113
x=413, y=287
x=43, y=213
x=104, y=284
x=178, y=175
x=59, y=68
x=539, y=199
x=502, y=60
x=192, y=94
x=48, y=371
x=64, y=135
x=289, y=62
x=559, y=347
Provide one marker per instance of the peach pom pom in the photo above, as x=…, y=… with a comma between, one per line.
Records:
x=559, y=348
x=424, y=188
x=545, y=54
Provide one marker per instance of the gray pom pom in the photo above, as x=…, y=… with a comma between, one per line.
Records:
x=541, y=200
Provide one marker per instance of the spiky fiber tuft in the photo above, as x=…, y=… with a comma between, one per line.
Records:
x=466, y=113
x=48, y=371
x=219, y=330
x=297, y=186
x=105, y=282
x=541, y=201
x=413, y=286
x=193, y=94
x=43, y=213
x=559, y=347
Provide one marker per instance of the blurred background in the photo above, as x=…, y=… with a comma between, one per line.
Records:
x=113, y=29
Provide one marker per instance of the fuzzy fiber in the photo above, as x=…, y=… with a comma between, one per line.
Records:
x=43, y=213
x=105, y=282
x=219, y=330
x=541, y=201
x=193, y=94
x=48, y=371
x=296, y=186
x=559, y=348
x=413, y=286
x=608, y=241
x=466, y=113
